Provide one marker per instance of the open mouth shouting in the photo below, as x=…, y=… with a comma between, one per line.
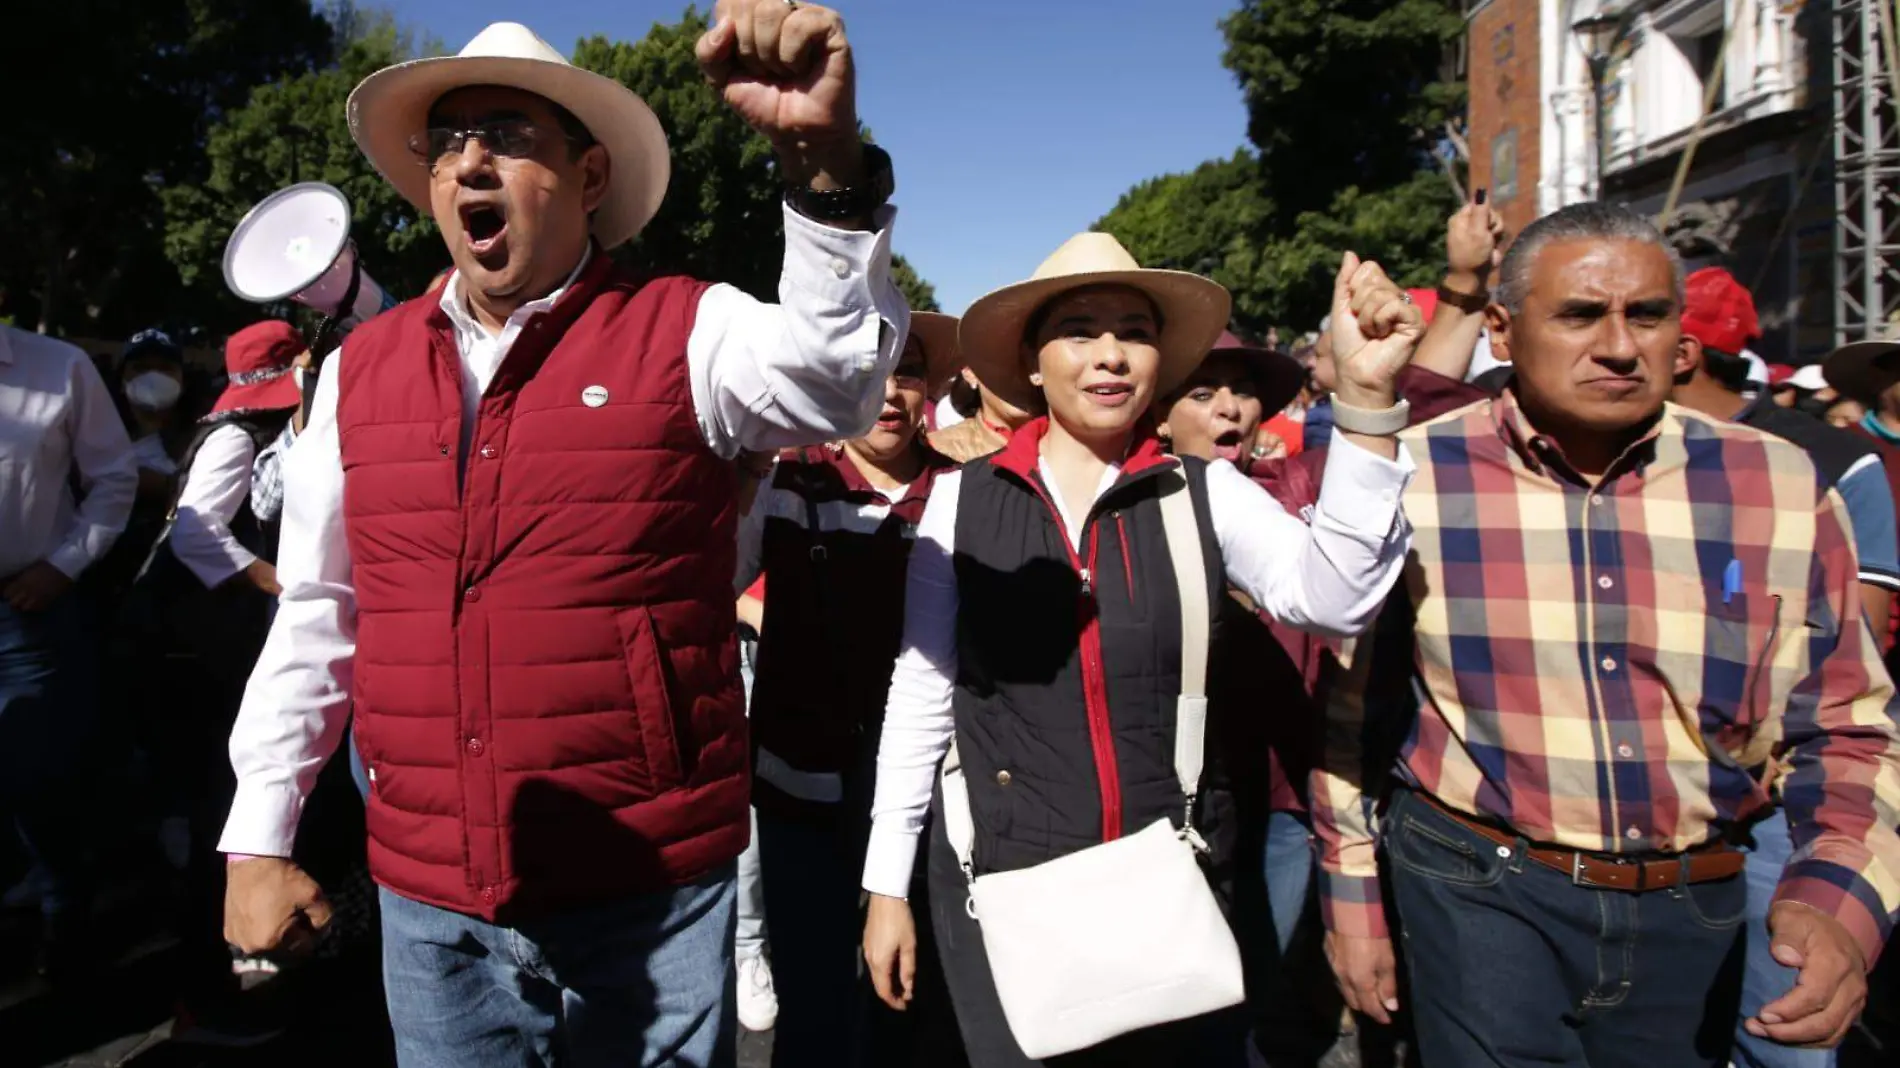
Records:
x=1228, y=446
x=484, y=226
x=891, y=419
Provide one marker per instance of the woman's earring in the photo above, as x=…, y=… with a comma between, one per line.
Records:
x=1035, y=379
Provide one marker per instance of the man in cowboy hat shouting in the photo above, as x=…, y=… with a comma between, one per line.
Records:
x=508, y=548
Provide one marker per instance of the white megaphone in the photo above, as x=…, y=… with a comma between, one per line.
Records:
x=295, y=245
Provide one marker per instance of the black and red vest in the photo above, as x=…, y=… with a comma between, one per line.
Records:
x=834, y=620
x=1069, y=662
x=546, y=682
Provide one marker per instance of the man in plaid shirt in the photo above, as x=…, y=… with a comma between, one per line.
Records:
x=1625, y=621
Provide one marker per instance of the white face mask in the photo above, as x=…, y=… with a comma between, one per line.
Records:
x=154, y=391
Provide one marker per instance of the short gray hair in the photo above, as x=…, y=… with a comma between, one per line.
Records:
x=1590, y=221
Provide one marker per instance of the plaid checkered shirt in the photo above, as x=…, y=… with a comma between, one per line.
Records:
x=1625, y=667
x=267, y=476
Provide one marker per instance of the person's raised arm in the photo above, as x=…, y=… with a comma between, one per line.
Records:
x=812, y=367
x=1474, y=246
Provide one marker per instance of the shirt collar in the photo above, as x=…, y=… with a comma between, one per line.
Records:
x=1542, y=455
x=457, y=309
x=853, y=480
x=1872, y=424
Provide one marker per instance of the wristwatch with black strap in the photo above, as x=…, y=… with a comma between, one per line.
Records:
x=850, y=202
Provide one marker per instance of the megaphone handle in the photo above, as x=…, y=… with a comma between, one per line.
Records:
x=344, y=307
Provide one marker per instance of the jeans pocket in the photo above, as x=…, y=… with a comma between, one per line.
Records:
x=1719, y=904
x=1427, y=844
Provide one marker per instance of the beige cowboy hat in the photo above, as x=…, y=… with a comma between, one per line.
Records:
x=937, y=333
x=392, y=105
x=1193, y=310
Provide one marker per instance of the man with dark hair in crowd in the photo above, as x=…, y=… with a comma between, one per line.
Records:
x=1622, y=616
x=509, y=543
x=59, y=421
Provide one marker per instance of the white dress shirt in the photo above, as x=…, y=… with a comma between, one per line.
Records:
x=215, y=488
x=57, y=418
x=1329, y=578
x=764, y=377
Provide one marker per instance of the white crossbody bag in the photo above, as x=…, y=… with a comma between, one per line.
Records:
x=1126, y=934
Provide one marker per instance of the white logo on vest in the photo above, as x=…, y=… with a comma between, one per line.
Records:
x=594, y=396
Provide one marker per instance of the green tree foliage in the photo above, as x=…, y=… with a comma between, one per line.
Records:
x=721, y=218
x=295, y=130
x=919, y=294
x=1346, y=102
x=139, y=85
x=1209, y=221
x=1343, y=93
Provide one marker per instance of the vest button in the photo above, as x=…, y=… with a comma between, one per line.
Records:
x=488, y=452
x=475, y=747
x=488, y=895
x=445, y=450
x=471, y=594
x=1002, y=778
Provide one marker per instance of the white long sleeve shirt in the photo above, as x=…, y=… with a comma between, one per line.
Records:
x=763, y=377
x=214, y=490
x=57, y=418
x=1330, y=577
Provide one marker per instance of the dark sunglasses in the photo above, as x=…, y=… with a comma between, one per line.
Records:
x=511, y=138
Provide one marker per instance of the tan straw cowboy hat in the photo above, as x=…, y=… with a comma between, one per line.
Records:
x=1193, y=311
x=392, y=105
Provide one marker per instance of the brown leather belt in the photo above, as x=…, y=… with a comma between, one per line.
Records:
x=1703, y=864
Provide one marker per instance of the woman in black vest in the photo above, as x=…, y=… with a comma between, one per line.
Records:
x=831, y=531
x=1042, y=624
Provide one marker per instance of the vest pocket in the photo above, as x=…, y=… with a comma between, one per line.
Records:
x=652, y=705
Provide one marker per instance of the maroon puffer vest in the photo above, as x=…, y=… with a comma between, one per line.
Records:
x=546, y=680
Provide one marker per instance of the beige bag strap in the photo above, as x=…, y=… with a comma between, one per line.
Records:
x=1183, y=532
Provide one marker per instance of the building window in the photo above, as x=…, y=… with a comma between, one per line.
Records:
x=1703, y=51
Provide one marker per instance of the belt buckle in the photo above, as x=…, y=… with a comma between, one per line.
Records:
x=1578, y=878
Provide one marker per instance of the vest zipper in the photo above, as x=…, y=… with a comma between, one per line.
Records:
x=1128, y=565
x=1094, y=679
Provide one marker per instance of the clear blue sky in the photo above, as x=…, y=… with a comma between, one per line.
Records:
x=1013, y=123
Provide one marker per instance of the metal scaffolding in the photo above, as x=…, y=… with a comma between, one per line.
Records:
x=1866, y=171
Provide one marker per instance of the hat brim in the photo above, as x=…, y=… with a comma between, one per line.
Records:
x=1863, y=370
x=393, y=104
x=1278, y=376
x=274, y=395
x=1194, y=311
x=937, y=333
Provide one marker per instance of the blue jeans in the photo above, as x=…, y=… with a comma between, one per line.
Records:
x=1289, y=864
x=637, y=983
x=48, y=718
x=1513, y=964
x=1765, y=979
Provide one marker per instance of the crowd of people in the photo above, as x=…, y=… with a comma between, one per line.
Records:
x=1074, y=682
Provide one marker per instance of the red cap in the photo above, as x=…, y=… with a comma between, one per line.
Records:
x=1779, y=373
x=1718, y=312
x=257, y=362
